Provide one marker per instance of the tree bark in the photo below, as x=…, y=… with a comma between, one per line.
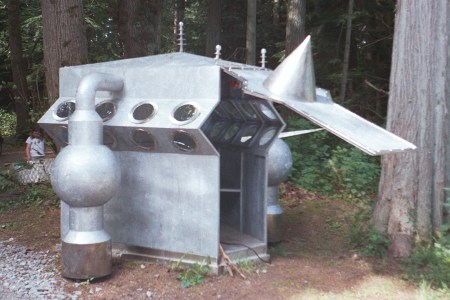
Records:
x=348, y=37
x=139, y=27
x=65, y=41
x=213, y=26
x=295, y=24
x=18, y=67
x=250, y=43
x=411, y=194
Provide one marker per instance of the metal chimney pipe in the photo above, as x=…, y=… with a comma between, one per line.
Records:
x=86, y=175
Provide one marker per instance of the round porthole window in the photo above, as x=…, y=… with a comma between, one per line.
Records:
x=143, y=112
x=106, y=110
x=186, y=113
x=62, y=134
x=109, y=140
x=64, y=110
x=143, y=139
x=184, y=141
x=267, y=136
x=230, y=109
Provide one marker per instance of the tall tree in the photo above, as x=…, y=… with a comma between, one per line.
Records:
x=348, y=36
x=139, y=27
x=412, y=185
x=18, y=67
x=295, y=24
x=213, y=26
x=250, y=43
x=64, y=37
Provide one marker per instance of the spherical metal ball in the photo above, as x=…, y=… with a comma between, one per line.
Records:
x=85, y=175
x=279, y=162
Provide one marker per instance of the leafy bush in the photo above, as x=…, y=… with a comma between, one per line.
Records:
x=431, y=262
x=7, y=123
x=326, y=164
x=193, y=275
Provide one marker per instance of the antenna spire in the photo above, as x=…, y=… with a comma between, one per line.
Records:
x=263, y=58
x=217, y=53
x=181, y=36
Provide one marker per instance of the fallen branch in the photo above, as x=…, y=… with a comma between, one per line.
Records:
x=230, y=265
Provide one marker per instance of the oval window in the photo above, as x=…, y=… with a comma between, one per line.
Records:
x=143, y=112
x=267, y=111
x=249, y=111
x=106, y=110
x=217, y=129
x=65, y=109
x=231, y=131
x=143, y=139
x=267, y=136
x=185, y=112
x=184, y=141
x=248, y=134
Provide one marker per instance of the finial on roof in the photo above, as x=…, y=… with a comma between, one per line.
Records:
x=217, y=53
x=263, y=58
x=181, y=36
x=294, y=77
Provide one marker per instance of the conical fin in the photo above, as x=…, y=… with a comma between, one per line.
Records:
x=294, y=77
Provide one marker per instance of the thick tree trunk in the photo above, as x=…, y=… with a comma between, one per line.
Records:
x=213, y=26
x=295, y=24
x=412, y=185
x=65, y=41
x=348, y=37
x=250, y=37
x=139, y=27
x=18, y=67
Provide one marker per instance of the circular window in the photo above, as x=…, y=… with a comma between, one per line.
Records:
x=267, y=136
x=62, y=134
x=185, y=113
x=267, y=111
x=231, y=131
x=64, y=110
x=143, y=139
x=184, y=141
x=106, y=110
x=109, y=140
x=248, y=134
x=143, y=112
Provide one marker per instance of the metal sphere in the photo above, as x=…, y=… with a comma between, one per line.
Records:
x=85, y=175
x=279, y=162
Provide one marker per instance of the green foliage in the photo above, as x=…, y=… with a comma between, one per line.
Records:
x=7, y=182
x=193, y=275
x=368, y=241
x=324, y=164
x=7, y=123
x=39, y=194
x=430, y=263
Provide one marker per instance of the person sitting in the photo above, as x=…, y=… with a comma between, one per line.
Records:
x=35, y=148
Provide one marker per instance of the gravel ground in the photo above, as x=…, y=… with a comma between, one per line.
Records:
x=25, y=274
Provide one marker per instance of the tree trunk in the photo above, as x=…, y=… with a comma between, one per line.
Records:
x=295, y=24
x=250, y=43
x=139, y=27
x=276, y=13
x=18, y=67
x=348, y=37
x=213, y=26
x=412, y=185
x=65, y=41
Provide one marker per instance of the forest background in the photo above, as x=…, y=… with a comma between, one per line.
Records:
x=352, y=45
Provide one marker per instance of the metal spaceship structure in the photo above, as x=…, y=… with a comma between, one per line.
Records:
x=170, y=155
